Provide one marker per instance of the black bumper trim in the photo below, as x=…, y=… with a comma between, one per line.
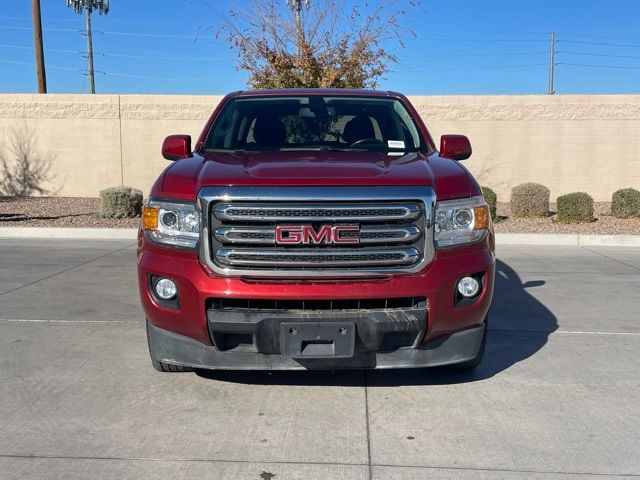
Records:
x=375, y=329
x=176, y=349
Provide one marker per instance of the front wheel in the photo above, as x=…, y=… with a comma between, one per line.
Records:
x=471, y=364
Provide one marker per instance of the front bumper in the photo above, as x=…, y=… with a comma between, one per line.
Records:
x=187, y=335
x=176, y=349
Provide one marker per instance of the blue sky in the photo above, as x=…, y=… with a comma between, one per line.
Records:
x=463, y=47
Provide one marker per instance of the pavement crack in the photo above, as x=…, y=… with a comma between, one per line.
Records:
x=579, y=474
x=611, y=258
x=45, y=320
x=366, y=411
x=180, y=460
x=562, y=332
x=293, y=415
x=67, y=269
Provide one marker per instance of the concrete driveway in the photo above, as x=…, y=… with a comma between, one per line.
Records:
x=558, y=395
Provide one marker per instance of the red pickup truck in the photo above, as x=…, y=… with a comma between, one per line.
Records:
x=315, y=229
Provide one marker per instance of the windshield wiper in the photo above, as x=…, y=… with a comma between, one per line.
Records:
x=322, y=149
x=227, y=150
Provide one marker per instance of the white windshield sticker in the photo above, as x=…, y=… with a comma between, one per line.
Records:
x=395, y=143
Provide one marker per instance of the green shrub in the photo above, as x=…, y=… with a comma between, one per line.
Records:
x=491, y=199
x=625, y=203
x=575, y=207
x=120, y=202
x=530, y=200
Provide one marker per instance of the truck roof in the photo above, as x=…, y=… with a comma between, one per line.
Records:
x=317, y=91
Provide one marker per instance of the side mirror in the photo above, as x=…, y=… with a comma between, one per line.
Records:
x=455, y=147
x=176, y=147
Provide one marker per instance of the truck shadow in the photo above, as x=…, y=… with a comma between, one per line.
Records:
x=519, y=326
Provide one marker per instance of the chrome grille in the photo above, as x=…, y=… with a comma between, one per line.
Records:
x=366, y=234
x=239, y=230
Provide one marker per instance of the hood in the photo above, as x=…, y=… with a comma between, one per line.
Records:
x=185, y=177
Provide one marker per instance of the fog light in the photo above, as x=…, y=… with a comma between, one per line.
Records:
x=468, y=287
x=166, y=289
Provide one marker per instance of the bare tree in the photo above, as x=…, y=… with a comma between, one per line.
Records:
x=332, y=43
x=23, y=171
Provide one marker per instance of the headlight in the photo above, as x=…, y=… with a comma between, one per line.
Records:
x=169, y=223
x=460, y=222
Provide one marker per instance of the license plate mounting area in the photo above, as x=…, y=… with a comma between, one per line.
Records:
x=317, y=339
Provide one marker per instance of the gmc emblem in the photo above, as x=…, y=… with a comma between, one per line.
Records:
x=305, y=234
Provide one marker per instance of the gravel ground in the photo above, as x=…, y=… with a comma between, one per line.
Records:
x=82, y=212
x=57, y=212
x=604, y=223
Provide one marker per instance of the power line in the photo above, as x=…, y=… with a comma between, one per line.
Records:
x=193, y=59
x=448, y=39
x=153, y=35
x=633, y=39
x=154, y=57
x=110, y=54
x=142, y=77
x=499, y=40
x=44, y=19
x=114, y=74
x=33, y=65
x=500, y=32
x=597, y=66
x=447, y=55
x=24, y=47
x=4, y=27
x=485, y=67
x=600, y=43
x=598, y=54
x=126, y=34
x=72, y=20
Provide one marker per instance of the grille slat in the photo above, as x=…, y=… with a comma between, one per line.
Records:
x=315, y=212
x=366, y=234
x=326, y=258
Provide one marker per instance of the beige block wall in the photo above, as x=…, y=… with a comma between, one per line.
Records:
x=568, y=142
x=147, y=120
x=78, y=134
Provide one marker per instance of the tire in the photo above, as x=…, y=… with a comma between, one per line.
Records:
x=162, y=366
x=471, y=364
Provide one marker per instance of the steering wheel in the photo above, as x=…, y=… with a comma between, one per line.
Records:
x=367, y=140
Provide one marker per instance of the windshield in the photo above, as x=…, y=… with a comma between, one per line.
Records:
x=315, y=122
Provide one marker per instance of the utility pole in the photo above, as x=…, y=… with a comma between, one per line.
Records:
x=296, y=6
x=37, y=38
x=102, y=6
x=90, y=72
x=552, y=62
